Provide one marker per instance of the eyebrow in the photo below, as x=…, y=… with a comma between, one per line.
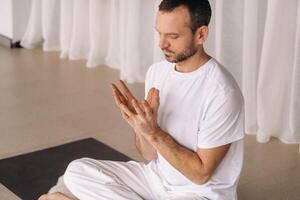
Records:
x=167, y=33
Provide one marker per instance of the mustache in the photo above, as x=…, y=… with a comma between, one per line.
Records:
x=167, y=50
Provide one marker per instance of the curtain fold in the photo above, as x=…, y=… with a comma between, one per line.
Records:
x=294, y=124
x=66, y=10
x=250, y=62
x=50, y=25
x=276, y=71
x=33, y=34
x=258, y=42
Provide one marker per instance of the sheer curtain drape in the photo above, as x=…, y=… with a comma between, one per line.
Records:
x=119, y=33
x=258, y=41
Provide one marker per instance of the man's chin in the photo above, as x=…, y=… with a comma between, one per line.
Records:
x=170, y=59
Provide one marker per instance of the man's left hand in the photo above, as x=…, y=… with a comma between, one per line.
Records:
x=139, y=115
x=145, y=122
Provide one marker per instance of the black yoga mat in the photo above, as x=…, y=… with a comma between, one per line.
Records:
x=33, y=174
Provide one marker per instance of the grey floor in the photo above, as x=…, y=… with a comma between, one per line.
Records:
x=46, y=101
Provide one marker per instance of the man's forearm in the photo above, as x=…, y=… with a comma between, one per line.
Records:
x=145, y=148
x=183, y=159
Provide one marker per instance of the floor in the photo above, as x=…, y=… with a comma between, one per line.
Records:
x=46, y=101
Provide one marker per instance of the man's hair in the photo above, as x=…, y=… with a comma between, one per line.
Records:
x=199, y=10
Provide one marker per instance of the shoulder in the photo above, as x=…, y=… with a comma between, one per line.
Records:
x=160, y=66
x=222, y=89
x=220, y=80
x=158, y=70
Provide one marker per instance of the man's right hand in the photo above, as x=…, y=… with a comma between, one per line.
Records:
x=153, y=100
x=143, y=146
x=126, y=99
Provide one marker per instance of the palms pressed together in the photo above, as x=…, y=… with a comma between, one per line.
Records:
x=140, y=115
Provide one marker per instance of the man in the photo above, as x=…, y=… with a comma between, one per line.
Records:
x=190, y=127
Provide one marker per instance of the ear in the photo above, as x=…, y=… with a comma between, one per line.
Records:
x=201, y=35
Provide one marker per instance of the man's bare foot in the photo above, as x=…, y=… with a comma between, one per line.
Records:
x=54, y=196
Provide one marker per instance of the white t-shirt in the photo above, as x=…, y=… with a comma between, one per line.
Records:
x=200, y=109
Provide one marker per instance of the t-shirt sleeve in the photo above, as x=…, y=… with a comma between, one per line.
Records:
x=223, y=121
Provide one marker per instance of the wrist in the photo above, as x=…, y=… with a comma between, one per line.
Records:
x=155, y=137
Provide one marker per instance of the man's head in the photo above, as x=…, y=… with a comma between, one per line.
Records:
x=183, y=27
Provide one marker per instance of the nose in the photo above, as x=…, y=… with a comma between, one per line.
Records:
x=163, y=43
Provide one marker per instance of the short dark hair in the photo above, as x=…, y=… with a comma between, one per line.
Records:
x=199, y=10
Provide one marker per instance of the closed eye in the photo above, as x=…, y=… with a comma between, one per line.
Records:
x=173, y=36
x=170, y=35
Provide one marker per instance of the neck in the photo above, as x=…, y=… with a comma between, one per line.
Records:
x=192, y=63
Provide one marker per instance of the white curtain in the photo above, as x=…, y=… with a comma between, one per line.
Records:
x=118, y=33
x=258, y=41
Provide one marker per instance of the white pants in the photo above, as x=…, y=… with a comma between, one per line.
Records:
x=90, y=179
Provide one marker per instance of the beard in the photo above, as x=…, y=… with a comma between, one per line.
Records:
x=174, y=57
